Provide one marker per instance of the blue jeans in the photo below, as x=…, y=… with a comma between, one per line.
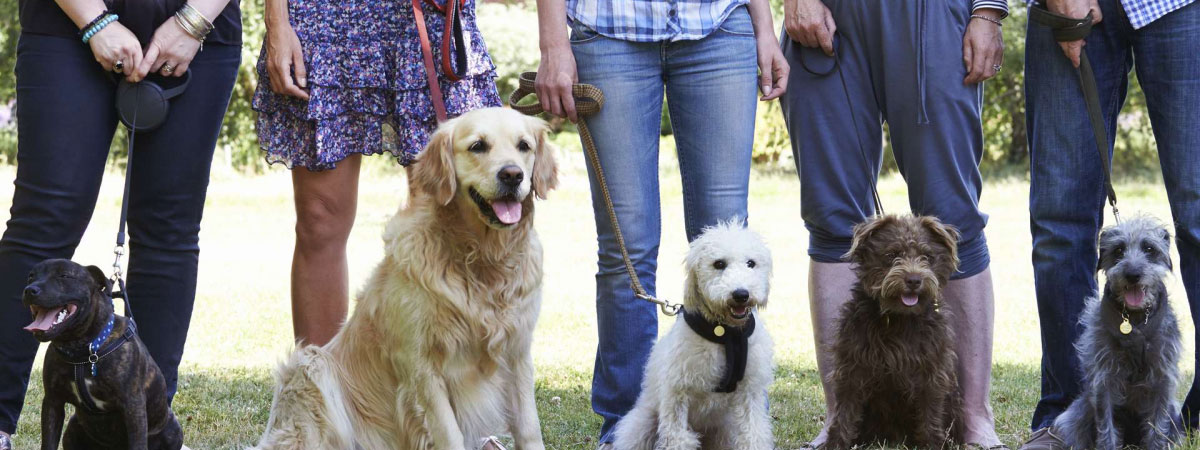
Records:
x=711, y=91
x=1066, y=197
x=65, y=120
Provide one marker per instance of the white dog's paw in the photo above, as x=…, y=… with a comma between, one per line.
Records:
x=679, y=441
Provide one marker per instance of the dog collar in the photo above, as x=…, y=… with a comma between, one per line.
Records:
x=735, y=340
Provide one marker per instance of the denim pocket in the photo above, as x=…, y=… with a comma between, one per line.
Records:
x=581, y=34
x=738, y=22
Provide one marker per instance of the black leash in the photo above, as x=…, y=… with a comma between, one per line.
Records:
x=872, y=173
x=1069, y=29
x=118, y=277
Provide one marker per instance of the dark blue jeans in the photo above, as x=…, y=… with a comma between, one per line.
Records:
x=66, y=120
x=1067, y=193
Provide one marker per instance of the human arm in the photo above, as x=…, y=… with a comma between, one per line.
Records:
x=557, y=71
x=810, y=23
x=172, y=46
x=983, y=44
x=772, y=66
x=112, y=43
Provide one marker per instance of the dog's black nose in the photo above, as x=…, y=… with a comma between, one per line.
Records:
x=1133, y=278
x=511, y=175
x=32, y=291
x=913, y=282
x=741, y=296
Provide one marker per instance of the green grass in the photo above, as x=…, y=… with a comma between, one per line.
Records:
x=242, y=326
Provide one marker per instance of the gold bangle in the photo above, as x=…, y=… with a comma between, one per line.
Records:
x=187, y=27
x=197, y=17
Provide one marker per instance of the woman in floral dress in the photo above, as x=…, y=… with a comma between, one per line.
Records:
x=332, y=77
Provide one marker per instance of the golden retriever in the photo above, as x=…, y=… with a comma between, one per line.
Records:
x=437, y=352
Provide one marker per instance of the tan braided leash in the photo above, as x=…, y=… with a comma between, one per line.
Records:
x=588, y=101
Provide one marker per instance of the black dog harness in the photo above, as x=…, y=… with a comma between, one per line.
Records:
x=85, y=361
x=735, y=340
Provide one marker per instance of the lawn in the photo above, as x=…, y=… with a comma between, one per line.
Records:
x=242, y=327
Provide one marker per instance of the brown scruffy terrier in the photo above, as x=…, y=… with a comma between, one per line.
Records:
x=894, y=376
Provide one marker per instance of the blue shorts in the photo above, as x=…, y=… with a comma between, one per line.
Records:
x=902, y=64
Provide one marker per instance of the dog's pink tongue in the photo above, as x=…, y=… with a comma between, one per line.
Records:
x=1135, y=298
x=43, y=321
x=508, y=211
x=909, y=299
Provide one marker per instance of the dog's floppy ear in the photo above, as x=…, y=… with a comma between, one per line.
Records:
x=433, y=171
x=1166, y=238
x=1109, y=238
x=545, y=168
x=863, y=232
x=101, y=279
x=945, y=234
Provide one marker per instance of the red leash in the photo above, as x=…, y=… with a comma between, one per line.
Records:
x=452, y=44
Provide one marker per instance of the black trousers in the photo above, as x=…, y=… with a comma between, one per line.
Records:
x=66, y=120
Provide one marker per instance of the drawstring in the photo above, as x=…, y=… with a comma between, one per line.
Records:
x=922, y=114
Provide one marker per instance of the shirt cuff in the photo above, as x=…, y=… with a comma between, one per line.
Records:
x=1001, y=5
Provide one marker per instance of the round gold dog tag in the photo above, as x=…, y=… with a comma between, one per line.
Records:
x=720, y=331
x=1126, y=328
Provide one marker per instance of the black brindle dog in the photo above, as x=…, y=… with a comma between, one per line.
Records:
x=894, y=377
x=97, y=364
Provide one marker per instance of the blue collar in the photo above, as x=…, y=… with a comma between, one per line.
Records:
x=94, y=347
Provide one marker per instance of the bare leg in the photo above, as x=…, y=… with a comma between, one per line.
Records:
x=828, y=291
x=971, y=305
x=326, y=203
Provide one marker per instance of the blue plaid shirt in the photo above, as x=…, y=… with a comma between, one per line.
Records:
x=652, y=20
x=671, y=20
x=1142, y=12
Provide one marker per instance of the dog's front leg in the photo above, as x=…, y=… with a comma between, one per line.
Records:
x=52, y=422
x=439, y=415
x=751, y=425
x=135, y=419
x=846, y=419
x=1106, y=431
x=1158, y=430
x=674, y=433
x=523, y=419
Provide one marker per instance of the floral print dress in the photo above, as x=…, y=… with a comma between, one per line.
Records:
x=365, y=73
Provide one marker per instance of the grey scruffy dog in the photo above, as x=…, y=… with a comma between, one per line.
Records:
x=1129, y=349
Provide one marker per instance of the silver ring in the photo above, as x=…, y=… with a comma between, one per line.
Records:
x=119, y=67
x=996, y=67
x=168, y=69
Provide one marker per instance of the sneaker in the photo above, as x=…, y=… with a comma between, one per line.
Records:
x=1044, y=439
x=605, y=446
x=5, y=442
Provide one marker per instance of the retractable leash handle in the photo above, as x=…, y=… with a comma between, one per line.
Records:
x=1071, y=29
x=588, y=100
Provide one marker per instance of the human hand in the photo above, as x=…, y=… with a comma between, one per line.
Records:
x=983, y=47
x=810, y=23
x=1077, y=9
x=285, y=61
x=773, y=68
x=116, y=43
x=170, y=51
x=555, y=76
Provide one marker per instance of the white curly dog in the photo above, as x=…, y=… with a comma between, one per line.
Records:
x=706, y=381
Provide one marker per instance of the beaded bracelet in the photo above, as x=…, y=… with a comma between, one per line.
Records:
x=87, y=35
x=989, y=19
x=93, y=23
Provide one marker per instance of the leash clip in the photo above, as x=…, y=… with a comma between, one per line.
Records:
x=668, y=308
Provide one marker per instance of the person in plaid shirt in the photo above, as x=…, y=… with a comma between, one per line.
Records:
x=710, y=57
x=1158, y=39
